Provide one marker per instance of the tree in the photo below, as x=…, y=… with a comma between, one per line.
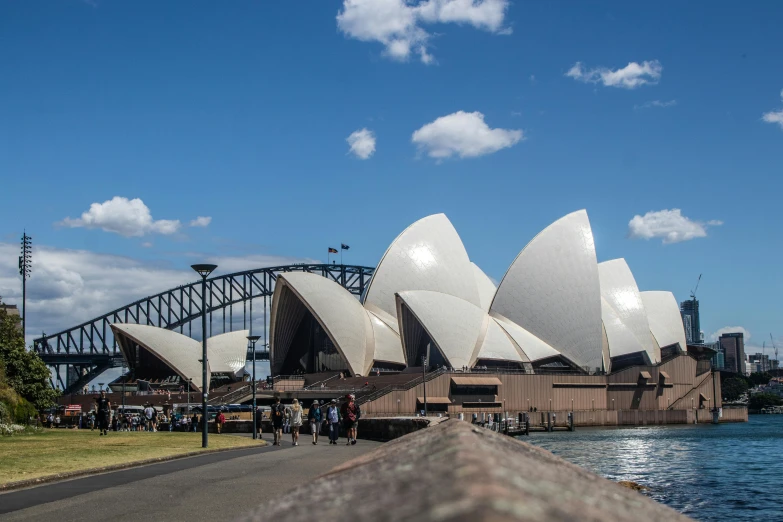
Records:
x=24, y=370
x=757, y=378
x=733, y=388
x=763, y=400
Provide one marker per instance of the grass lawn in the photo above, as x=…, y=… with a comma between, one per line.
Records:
x=62, y=450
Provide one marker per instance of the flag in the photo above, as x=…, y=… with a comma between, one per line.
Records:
x=343, y=246
x=333, y=250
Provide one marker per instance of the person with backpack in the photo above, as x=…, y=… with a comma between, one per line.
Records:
x=104, y=410
x=351, y=413
x=294, y=414
x=278, y=416
x=314, y=416
x=259, y=420
x=333, y=419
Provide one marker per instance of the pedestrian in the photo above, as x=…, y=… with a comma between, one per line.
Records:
x=350, y=412
x=220, y=419
x=149, y=413
x=194, y=423
x=114, y=423
x=259, y=420
x=104, y=409
x=50, y=421
x=314, y=416
x=278, y=415
x=333, y=418
x=295, y=418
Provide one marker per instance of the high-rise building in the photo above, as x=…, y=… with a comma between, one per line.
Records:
x=690, y=320
x=718, y=360
x=759, y=362
x=733, y=345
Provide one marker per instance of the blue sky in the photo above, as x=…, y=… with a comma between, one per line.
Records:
x=240, y=112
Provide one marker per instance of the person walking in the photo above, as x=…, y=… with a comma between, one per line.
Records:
x=333, y=418
x=149, y=413
x=295, y=416
x=259, y=420
x=220, y=419
x=194, y=423
x=278, y=416
x=350, y=412
x=314, y=416
x=104, y=409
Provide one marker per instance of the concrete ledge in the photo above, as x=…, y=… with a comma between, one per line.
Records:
x=27, y=483
x=454, y=471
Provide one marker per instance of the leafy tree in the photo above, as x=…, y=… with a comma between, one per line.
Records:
x=733, y=388
x=757, y=378
x=24, y=370
x=763, y=400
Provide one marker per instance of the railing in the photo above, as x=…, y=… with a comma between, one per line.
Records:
x=318, y=383
x=400, y=387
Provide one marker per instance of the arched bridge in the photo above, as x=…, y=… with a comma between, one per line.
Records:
x=87, y=349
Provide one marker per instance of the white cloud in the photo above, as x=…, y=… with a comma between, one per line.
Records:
x=730, y=329
x=656, y=103
x=122, y=216
x=68, y=287
x=397, y=24
x=774, y=116
x=362, y=143
x=147, y=244
x=670, y=225
x=463, y=134
x=629, y=77
x=201, y=221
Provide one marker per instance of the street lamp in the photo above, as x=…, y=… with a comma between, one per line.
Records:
x=253, y=340
x=204, y=270
x=424, y=380
x=100, y=384
x=190, y=387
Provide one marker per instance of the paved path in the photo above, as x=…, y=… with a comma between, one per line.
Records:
x=218, y=486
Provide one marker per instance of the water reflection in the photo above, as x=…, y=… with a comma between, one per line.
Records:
x=707, y=472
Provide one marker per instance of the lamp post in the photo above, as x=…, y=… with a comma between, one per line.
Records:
x=253, y=340
x=424, y=380
x=204, y=270
x=190, y=383
x=25, y=267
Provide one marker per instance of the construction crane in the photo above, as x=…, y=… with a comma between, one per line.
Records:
x=693, y=292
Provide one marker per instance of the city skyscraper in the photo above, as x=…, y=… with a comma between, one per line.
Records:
x=690, y=320
x=733, y=345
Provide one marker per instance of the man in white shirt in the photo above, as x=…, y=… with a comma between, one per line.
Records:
x=149, y=412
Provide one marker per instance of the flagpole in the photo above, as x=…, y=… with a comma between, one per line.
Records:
x=341, y=254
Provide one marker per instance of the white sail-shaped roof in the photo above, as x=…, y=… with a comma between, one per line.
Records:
x=534, y=348
x=453, y=324
x=428, y=255
x=181, y=353
x=619, y=290
x=497, y=344
x=621, y=339
x=388, y=347
x=485, y=286
x=227, y=352
x=552, y=290
x=663, y=315
x=337, y=311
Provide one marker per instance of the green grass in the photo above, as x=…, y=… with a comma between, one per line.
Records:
x=60, y=451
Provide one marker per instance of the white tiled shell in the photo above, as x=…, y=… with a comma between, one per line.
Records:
x=452, y=323
x=485, y=286
x=428, y=255
x=534, y=348
x=388, y=347
x=227, y=352
x=619, y=290
x=663, y=315
x=339, y=313
x=621, y=339
x=552, y=290
x=179, y=352
x=497, y=344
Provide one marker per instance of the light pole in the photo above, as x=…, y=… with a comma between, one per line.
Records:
x=25, y=267
x=424, y=380
x=204, y=270
x=253, y=340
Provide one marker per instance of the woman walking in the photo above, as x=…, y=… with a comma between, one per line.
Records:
x=333, y=418
x=295, y=416
x=314, y=416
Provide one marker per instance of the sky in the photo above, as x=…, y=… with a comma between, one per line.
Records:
x=137, y=138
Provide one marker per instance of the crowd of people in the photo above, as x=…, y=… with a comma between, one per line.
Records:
x=327, y=417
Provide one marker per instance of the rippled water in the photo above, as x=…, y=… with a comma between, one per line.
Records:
x=723, y=472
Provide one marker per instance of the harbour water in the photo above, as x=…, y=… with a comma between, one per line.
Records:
x=708, y=472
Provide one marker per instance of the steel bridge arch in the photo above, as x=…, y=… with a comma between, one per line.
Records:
x=91, y=344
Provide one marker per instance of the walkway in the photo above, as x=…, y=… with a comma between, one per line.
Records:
x=219, y=486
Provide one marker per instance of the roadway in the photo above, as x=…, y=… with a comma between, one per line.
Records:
x=217, y=486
